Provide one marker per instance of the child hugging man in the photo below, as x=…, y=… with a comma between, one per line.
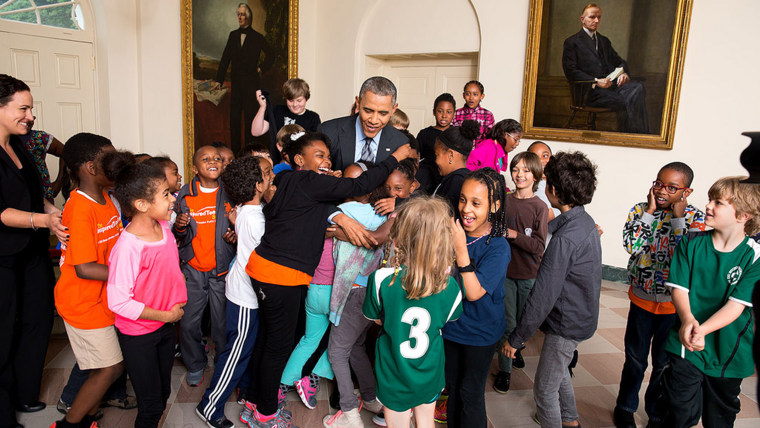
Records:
x=712, y=277
x=650, y=236
x=205, y=251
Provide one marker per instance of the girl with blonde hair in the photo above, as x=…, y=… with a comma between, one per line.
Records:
x=412, y=299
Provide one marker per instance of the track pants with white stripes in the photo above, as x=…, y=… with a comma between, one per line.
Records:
x=242, y=325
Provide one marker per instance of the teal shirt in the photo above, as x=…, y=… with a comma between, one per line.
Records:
x=712, y=278
x=410, y=359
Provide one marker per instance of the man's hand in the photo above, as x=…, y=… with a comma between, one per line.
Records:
x=355, y=232
x=604, y=83
x=182, y=221
x=508, y=350
x=385, y=206
x=651, y=202
x=215, y=86
x=261, y=99
x=623, y=79
x=679, y=207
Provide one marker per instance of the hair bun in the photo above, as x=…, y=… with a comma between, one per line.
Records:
x=470, y=129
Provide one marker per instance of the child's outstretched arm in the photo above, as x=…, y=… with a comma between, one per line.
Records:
x=260, y=126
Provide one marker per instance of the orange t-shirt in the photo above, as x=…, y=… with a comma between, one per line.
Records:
x=657, y=308
x=93, y=230
x=203, y=211
x=263, y=270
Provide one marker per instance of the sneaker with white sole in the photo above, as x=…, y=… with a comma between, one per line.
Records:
x=307, y=388
x=222, y=422
x=281, y=419
x=349, y=419
x=374, y=406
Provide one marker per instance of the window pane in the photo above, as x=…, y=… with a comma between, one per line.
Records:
x=16, y=5
x=47, y=2
x=29, y=17
x=58, y=17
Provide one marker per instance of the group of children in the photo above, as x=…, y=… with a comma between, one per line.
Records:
x=461, y=266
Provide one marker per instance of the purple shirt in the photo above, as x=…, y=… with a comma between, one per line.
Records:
x=325, y=271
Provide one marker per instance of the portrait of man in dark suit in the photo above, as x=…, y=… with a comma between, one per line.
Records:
x=365, y=136
x=243, y=51
x=588, y=56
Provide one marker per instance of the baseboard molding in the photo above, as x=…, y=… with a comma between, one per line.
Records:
x=615, y=274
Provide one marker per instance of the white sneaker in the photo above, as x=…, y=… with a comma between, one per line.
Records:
x=349, y=419
x=374, y=406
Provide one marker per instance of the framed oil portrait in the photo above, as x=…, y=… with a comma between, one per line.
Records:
x=619, y=87
x=231, y=48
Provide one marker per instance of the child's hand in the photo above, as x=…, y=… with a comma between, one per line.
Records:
x=385, y=206
x=651, y=203
x=232, y=215
x=337, y=173
x=697, y=340
x=685, y=333
x=679, y=207
x=230, y=236
x=261, y=99
x=175, y=313
x=508, y=350
x=402, y=152
x=182, y=221
x=599, y=229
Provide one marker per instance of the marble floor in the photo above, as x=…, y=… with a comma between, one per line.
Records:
x=596, y=384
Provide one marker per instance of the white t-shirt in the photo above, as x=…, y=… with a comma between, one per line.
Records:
x=249, y=227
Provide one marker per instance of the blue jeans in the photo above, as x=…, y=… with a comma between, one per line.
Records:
x=317, y=309
x=642, y=329
x=553, y=389
x=514, y=302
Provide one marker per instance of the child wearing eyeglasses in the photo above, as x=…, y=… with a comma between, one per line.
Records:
x=494, y=150
x=650, y=236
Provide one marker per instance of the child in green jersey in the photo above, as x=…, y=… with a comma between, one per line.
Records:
x=413, y=300
x=712, y=277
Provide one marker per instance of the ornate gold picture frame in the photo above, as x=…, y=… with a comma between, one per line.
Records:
x=206, y=25
x=649, y=35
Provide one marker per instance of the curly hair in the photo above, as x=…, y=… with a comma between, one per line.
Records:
x=113, y=162
x=459, y=138
x=497, y=192
x=137, y=181
x=241, y=177
x=572, y=176
x=444, y=97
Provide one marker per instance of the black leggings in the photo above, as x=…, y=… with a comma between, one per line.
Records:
x=281, y=311
x=466, y=373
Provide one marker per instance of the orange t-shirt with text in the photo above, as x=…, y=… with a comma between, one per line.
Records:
x=203, y=211
x=93, y=230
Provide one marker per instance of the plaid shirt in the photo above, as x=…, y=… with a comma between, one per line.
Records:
x=478, y=114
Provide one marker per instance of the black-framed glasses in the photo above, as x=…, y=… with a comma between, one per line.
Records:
x=657, y=184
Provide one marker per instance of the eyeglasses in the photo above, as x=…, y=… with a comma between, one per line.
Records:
x=657, y=184
x=517, y=139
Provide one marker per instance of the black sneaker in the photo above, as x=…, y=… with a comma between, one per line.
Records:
x=518, y=362
x=219, y=423
x=623, y=419
x=501, y=383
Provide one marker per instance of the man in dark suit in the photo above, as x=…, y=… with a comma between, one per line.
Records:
x=365, y=136
x=589, y=56
x=243, y=49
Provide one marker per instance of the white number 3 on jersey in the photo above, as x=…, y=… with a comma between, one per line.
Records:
x=419, y=319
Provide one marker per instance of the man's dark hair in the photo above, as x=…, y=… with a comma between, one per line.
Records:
x=241, y=177
x=572, y=176
x=379, y=85
x=445, y=97
x=684, y=169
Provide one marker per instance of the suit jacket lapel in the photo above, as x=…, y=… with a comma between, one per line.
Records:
x=348, y=133
x=384, y=145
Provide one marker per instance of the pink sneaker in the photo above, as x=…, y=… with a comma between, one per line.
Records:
x=307, y=388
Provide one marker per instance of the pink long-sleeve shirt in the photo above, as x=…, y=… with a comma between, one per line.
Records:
x=142, y=273
x=487, y=153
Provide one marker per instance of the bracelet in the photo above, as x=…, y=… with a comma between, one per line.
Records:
x=31, y=220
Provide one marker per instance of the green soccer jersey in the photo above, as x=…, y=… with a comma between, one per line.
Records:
x=712, y=278
x=409, y=352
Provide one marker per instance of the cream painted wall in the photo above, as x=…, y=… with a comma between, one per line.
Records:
x=139, y=75
x=138, y=44
x=715, y=106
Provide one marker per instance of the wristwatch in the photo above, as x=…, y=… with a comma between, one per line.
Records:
x=469, y=268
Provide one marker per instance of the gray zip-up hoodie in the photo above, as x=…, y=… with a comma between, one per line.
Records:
x=225, y=252
x=565, y=298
